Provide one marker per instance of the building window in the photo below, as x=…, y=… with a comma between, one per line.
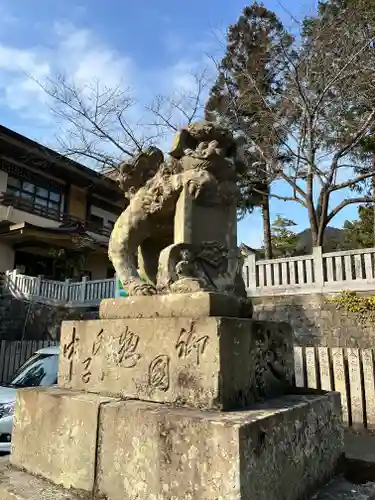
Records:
x=43, y=199
x=97, y=221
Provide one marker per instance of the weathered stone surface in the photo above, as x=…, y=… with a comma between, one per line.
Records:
x=219, y=363
x=192, y=305
x=194, y=223
x=33, y=321
x=195, y=191
x=283, y=449
x=315, y=321
x=19, y=485
x=204, y=255
x=55, y=435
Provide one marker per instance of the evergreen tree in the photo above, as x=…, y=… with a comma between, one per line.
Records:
x=359, y=233
x=304, y=107
x=246, y=97
x=284, y=240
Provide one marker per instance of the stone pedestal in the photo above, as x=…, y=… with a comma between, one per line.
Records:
x=271, y=452
x=211, y=362
x=284, y=448
x=161, y=407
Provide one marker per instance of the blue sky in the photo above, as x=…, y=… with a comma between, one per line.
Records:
x=150, y=47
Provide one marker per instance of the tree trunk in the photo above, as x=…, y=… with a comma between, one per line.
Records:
x=322, y=226
x=373, y=196
x=319, y=218
x=267, y=227
x=313, y=225
x=319, y=238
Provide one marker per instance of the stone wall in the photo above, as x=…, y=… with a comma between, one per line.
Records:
x=33, y=321
x=315, y=321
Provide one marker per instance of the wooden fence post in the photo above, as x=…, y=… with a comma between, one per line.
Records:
x=318, y=268
x=250, y=270
x=66, y=289
x=83, y=289
x=37, y=286
x=7, y=278
x=13, y=281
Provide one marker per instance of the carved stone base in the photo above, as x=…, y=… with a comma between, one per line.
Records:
x=285, y=448
x=211, y=362
x=185, y=305
x=55, y=435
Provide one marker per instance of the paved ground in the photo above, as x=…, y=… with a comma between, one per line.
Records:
x=341, y=489
x=359, y=480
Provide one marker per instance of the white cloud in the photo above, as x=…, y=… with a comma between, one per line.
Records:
x=86, y=59
x=17, y=91
x=80, y=55
x=74, y=52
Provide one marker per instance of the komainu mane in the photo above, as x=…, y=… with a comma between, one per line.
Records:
x=203, y=162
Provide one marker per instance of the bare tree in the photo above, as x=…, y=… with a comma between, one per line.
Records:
x=170, y=113
x=105, y=126
x=323, y=112
x=94, y=121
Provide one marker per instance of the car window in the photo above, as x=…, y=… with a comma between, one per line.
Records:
x=40, y=370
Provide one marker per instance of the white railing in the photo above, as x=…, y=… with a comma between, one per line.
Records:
x=66, y=293
x=316, y=273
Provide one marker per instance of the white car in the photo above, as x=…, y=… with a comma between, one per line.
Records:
x=40, y=370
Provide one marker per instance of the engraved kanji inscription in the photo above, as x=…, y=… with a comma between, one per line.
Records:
x=68, y=351
x=127, y=354
x=158, y=373
x=188, y=343
x=98, y=343
x=86, y=374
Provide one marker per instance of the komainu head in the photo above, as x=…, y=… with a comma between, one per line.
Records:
x=202, y=146
x=134, y=174
x=207, y=146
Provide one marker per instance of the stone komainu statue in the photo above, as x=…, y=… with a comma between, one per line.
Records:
x=203, y=162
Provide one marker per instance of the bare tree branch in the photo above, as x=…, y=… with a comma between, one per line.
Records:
x=351, y=182
x=181, y=108
x=106, y=125
x=345, y=203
